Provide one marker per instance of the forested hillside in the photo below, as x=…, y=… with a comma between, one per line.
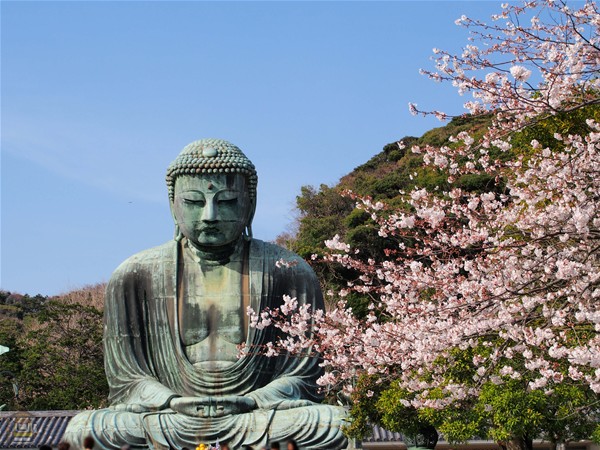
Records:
x=323, y=212
x=326, y=211
x=55, y=359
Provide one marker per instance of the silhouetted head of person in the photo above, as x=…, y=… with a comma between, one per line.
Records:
x=88, y=443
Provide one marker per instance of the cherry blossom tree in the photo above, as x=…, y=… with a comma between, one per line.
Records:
x=488, y=304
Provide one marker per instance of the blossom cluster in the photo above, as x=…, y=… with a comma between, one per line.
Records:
x=510, y=277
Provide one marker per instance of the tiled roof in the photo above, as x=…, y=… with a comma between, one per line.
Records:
x=30, y=429
x=381, y=435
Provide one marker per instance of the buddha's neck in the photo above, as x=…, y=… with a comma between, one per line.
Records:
x=214, y=256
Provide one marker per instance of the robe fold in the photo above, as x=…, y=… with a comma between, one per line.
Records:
x=146, y=365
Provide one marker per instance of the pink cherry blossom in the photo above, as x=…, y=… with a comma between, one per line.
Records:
x=509, y=276
x=520, y=73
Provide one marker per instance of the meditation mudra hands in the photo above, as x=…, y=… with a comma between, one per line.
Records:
x=200, y=406
x=212, y=406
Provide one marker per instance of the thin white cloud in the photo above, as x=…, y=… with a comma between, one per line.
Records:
x=87, y=155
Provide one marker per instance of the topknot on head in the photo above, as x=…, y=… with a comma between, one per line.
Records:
x=212, y=156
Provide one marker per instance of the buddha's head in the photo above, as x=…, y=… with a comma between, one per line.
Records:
x=212, y=192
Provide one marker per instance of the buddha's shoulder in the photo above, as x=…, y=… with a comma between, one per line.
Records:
x=149, y=258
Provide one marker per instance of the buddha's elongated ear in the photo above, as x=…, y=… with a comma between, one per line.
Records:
x=248, y=229
x=177, y=235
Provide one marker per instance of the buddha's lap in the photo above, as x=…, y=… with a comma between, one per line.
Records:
x=113, y=428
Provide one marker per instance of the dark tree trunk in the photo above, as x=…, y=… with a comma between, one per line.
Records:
x=518, y=443
x=430, y=436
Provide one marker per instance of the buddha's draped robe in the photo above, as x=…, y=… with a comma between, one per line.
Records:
x=146, y=365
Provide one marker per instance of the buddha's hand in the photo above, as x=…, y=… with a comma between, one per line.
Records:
x=212, y=406
x=125, y=407
x=290, y=404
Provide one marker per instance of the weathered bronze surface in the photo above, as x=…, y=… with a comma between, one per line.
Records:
x=175, y=314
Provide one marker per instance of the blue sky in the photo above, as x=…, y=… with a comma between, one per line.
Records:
x=99, y=97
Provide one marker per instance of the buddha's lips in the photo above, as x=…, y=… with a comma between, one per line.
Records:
x=209, y=230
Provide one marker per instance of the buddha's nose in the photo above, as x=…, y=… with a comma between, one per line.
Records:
x=209, y=212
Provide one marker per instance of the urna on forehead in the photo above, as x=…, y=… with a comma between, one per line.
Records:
x=208, y=156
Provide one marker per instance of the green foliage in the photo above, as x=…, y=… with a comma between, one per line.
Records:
x=359, y=304
x=10, y=363
x=565, y=123
x=568, y=414
x=391, y=152
x=32, y=305
x=457, y=424
x=478, y=183
x=475, y=125
x=395, y=416
x=596, y=434
x=55, y=356
x=502, y=412
x=322, y=213
x=357, y=218
x=363, y=410
x=511, y=410
x=366, y=238
x=63, y=359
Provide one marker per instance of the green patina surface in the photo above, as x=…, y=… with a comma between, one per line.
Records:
x=175, y=314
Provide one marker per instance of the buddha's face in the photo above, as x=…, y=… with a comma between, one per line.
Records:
x=211, y=210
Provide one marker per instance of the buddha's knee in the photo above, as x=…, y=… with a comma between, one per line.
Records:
x=312, y=426
x=110, y=429
x=334, y=415
x=78, y=429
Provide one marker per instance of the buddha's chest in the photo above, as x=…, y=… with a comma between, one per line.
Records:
x=204, y=316
x=210, y=314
